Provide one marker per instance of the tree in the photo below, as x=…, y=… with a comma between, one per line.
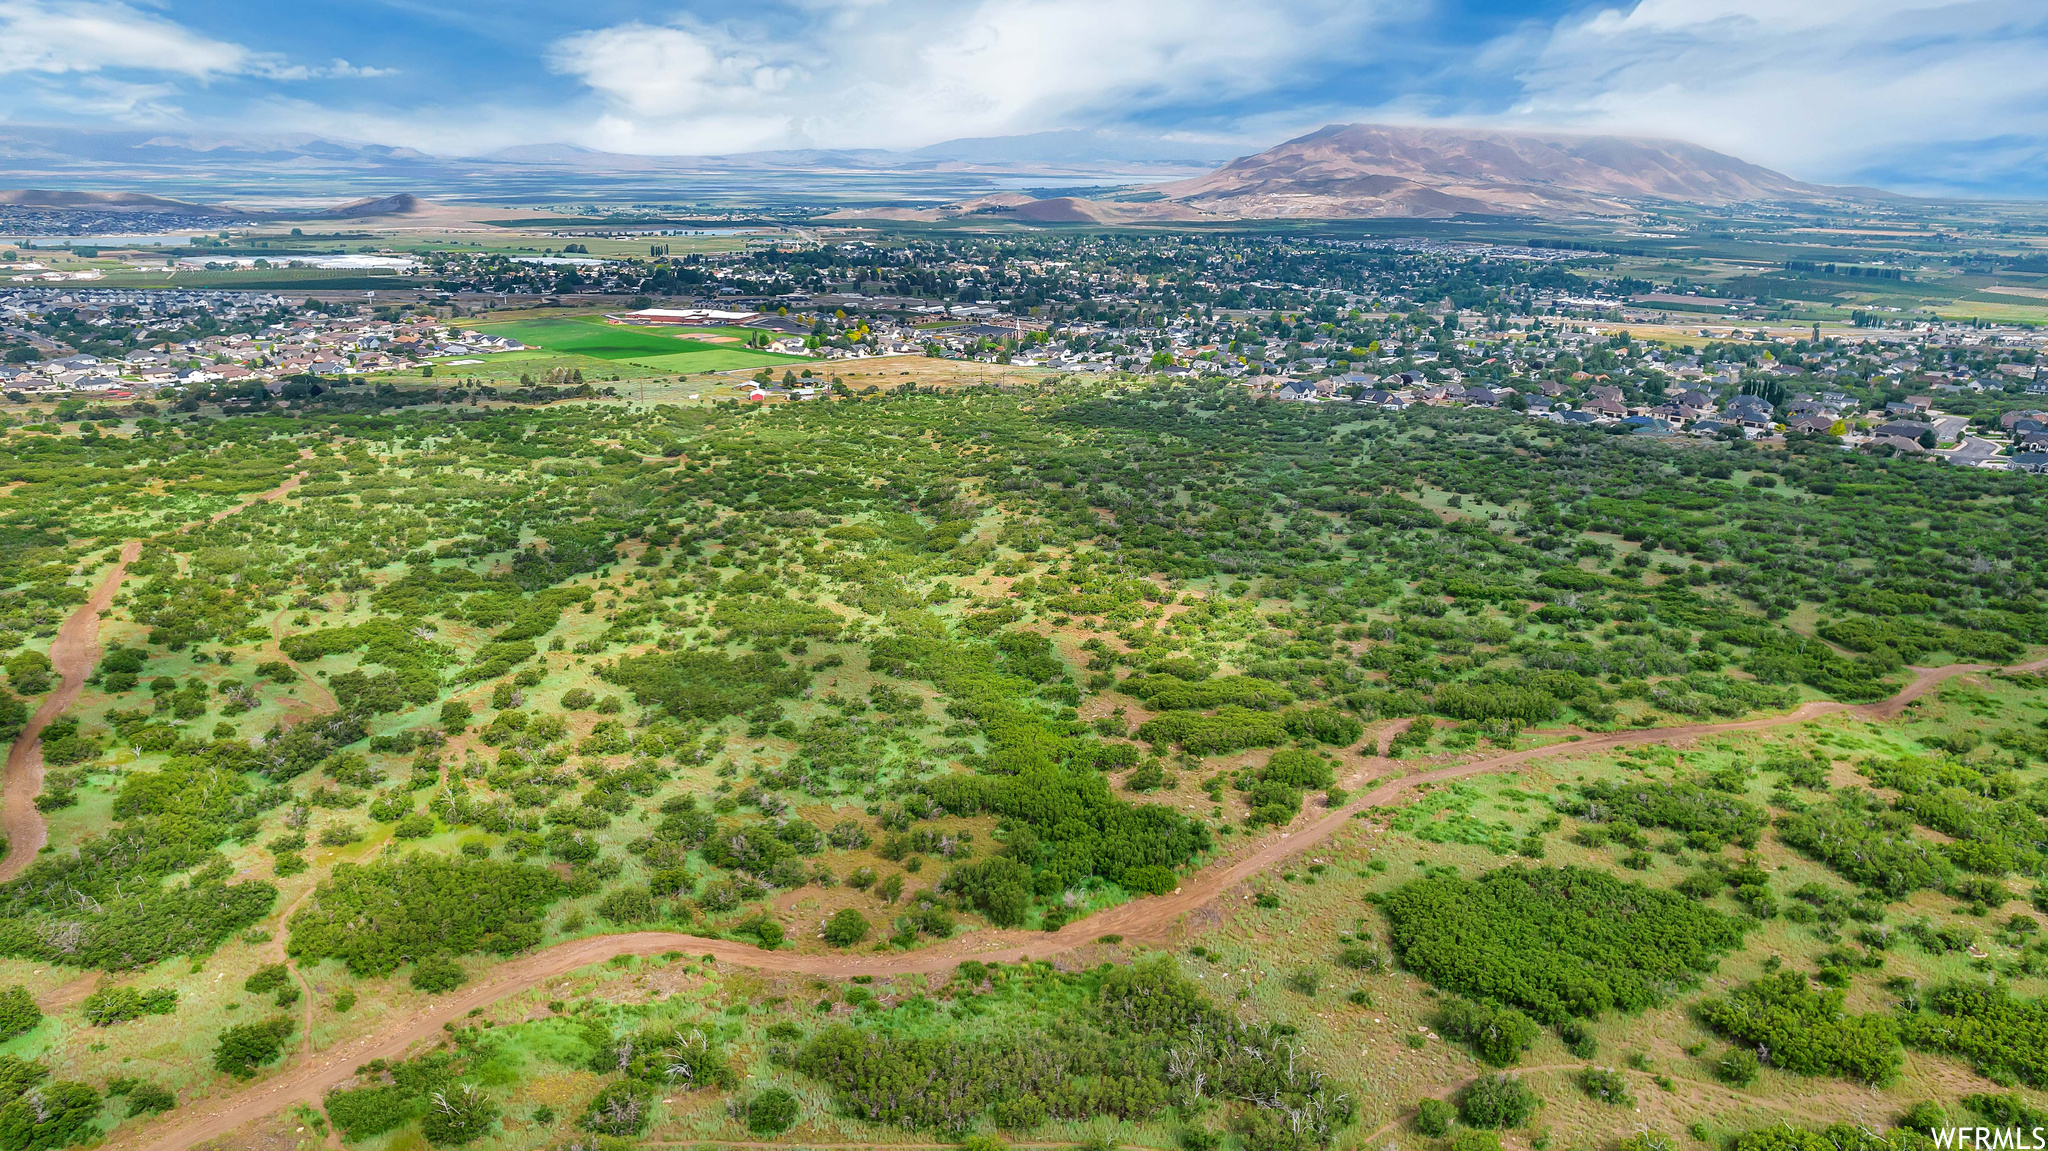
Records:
x=847, y=928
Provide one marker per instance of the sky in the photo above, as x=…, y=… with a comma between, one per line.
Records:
x=1932, y=96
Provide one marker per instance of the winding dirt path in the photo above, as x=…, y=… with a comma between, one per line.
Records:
x=74, y=652
x=1150, y=920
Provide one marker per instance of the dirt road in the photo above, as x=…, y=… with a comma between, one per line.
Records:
x=74, y=652
x=1151, y=920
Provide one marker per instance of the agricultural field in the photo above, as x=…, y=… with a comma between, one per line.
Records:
x=1005, y=759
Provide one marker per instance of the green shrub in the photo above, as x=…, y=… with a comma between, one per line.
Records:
x=458, y=1115
x=120, y=1004
x=623, y=1108
x=771, y=1112
x=18, y=1012
x=150, y=1099
x=1555, y=942
x=1472, y=1139
x=48, y=1117
x=847, y=928
x=1497, y=1101
x=1738, y=1068
x=240, y=1050
x=437, y=974
x=1605, y=1085
x=1433, y=1117
x=1498, y=1035
x=1806, y=1031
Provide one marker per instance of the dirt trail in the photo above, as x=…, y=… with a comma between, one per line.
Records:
x=74, y=652
x=1151, y=920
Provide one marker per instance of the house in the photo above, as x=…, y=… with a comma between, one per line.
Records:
x=1903, y=429
x=1899, y=444
x=1920, y=403
x=2035, y=463
x=1296, y=392
x=1815, y=425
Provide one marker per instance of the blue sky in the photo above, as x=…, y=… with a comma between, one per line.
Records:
x=1919, y=95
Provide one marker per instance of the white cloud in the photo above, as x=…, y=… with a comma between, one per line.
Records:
x=56, y=39
x=97, y=36
x=1822, y=89
x=896, y=73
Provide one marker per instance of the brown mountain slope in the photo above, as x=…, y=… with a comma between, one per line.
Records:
x=1351, y=170
x=100, y=201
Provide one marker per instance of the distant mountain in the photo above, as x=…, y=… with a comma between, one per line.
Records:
x=402, y=204
x=103, y=202
x=1363, y=170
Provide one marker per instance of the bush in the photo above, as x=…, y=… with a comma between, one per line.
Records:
x=48, y=1117
x=267, y=979
x=242, y=1049
x=120, y=1004
x=1806, y=1031
x=1475, y=1140
x=372, y=915
x=1496, y=1101
x=438, y=975
x=150, y=1099
x=1555, y=942
x=1606, y=1085
x=1738, y=1068
x=622, y=1108
x=847, y=928
x=1498, y=1035
x=18, y=1012
x=458, y=1116
x=628, y=905
x=771, y=1112
x=1433, y=1117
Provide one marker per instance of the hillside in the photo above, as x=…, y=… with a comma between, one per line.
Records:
x=1361, y=170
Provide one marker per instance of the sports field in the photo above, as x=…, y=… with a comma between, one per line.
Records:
x=591, y=337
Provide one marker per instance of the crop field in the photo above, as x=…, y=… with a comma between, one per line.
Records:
x=1007, y=758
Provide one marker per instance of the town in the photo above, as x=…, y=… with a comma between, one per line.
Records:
x=1546, y=334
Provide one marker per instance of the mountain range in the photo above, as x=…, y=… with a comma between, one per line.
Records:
x=1342, y=171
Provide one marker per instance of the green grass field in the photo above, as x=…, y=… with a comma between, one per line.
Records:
x=591, y=337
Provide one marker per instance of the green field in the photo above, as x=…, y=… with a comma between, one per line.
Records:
x=591, y=337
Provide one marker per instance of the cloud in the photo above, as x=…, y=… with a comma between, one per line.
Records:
x=102, y=36
x=91, y=37
x=1833, y=90
x=896, y=73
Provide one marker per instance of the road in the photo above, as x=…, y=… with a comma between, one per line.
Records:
x=74, y=652
x=306, y=1078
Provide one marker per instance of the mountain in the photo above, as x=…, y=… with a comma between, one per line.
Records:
x=1363, y=170
x=103, y=202
x=402, y=204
